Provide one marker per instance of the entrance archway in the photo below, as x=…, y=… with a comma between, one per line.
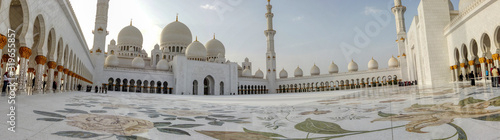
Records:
x=208, y=85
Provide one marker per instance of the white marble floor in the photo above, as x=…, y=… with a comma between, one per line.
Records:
x=454, y=111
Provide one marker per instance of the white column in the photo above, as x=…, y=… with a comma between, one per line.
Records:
x=22, y=75
x=52, y=65
x=39, y=78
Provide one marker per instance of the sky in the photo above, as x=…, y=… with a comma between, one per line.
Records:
x=309, y=32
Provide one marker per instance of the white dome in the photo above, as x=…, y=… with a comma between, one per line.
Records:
x=259, y=74
x=372, y=64
x=157, y=47
x=352, y=67
x=393, y=62
x=162, y=65
x=315, y=70
x=246, y=73
x=130, y=35
x=196, y=50
x=283, y=74
x=111, y=60
x=112, y=42
x=176, y=32
x=333, y=68
x=138, y=62
x=463, y=4
x=215, y=47
x=298, y=72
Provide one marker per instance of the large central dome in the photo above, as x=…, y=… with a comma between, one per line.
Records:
x=176, y=32
x=130, y=35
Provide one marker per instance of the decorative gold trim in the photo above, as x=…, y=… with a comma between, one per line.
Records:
x=455, y=66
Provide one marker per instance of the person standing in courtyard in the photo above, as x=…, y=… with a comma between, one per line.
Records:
x=54, y=86
x=494, y=77
x=461, y=77
x=472, y=78
x=5, y=82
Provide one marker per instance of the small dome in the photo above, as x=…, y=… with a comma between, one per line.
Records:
x=130, y=35
x=111, y=60
x=162, y=65
x=138, y=62
x=176, y=32
x=259, y=74
x=246, y=73
x=157, y=47
x=283, y=74
x=352, y=67
x=112, y=42
x=298, y=72
x=215, y=47
x=196, y=50
x=463, y=4
x=333, y=68
x=393, y=62
x=372, y=64
x=315, y=70
x=246, y=60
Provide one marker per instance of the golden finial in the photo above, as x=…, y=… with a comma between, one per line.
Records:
x=269, y=1
x=177, y=17
x=214, y=35
x=131, y=22
x=196, y=38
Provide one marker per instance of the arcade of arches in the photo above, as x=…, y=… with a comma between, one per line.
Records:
x=478, y=56
x=44, y=55
x=339, y=84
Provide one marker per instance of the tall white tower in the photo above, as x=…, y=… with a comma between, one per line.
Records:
x=270, y=55
x=100, y=32
x=399, y=12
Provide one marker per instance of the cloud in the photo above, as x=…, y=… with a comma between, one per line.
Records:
x=372, y=10
x=208, y=7
x=298, y=18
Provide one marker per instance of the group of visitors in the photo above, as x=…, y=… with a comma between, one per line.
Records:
x=98, y=89
x=495, y=79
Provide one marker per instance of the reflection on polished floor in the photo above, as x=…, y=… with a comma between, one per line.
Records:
x=454, y=111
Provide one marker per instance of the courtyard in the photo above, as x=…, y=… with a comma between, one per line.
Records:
x=454, y=111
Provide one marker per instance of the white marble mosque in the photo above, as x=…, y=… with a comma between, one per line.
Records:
x=150, y=92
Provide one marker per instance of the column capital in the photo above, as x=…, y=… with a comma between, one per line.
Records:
x=52, y=65
x=471, y=63
x=496, y=56
x=5, y=58
x=455, y=66
x=31, y=69
x=60, y=68
x=25, y=52
x=462, y=65
x=482, y=60
x=66, y=71
x=40, y=59
x=3, y=41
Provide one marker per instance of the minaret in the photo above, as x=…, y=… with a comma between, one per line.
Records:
x=101, y=24
x=399, y=11
x=270, y=55
x=100, y=32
